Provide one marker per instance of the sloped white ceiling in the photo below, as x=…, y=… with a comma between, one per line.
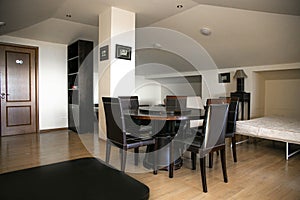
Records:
x=58, y=31
x=244, y=33
x=290, y=7
x=240, y=37
x=20, y=14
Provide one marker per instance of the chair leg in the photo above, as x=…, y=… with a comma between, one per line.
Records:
x=210, y=159
x=136, y=156
x=155, y=158
x=123, y=159
x=203, y=173
x=171, y=164
x=193, y=157
x=224, y=169
x=108, y=147
x=233, y=141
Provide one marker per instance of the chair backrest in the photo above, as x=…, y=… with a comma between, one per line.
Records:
x=214, y=126
x=129, y=102
x=194, y=102
x=217, y=101
x=175, y=103
x=232, y=116
x=115, y=126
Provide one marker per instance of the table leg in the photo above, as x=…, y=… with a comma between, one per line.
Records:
x=166, y=151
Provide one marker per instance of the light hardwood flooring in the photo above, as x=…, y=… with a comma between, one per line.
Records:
x=260, y=173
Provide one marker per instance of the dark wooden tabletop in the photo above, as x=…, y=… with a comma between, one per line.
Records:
x=160, y=113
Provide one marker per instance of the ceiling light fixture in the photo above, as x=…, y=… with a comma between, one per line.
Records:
x=179, y=6
x=205, y=31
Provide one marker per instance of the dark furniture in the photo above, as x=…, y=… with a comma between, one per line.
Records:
x=225, y=100
x=80, y=179
x=117, y=132
x=176, y=103
x=80, y=87
x=164, y=124
x=129, y=102
x=214, y=127
x=230, y=126
x=244, y=97
x=132, y=103
x=218, y=101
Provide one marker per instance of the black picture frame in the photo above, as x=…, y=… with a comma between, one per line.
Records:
x=104, y=53
x=123, y=52
x=224, y=78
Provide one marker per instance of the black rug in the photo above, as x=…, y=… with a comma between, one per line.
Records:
x=81, y=179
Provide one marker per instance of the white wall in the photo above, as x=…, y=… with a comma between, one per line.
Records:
x=96, y=87
x=258, y=85
x=255, y=84
x=148, y=91
x=122, y=72
x=282, y=98
x=116, y=76
x=153, y=91
x=52, y=81
x=256, y=88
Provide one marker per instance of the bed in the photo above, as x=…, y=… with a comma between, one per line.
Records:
x=273, y=128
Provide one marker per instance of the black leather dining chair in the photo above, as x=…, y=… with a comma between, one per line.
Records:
x=176, y=103
x=131, y=103
x=199, y=130
x=231, y=124
x=117, y=134
x=231, y=127
x=212, y=139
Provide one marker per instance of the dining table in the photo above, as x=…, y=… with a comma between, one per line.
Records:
x=166, y=124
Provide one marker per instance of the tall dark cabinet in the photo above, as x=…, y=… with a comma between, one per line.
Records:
x=80, y=86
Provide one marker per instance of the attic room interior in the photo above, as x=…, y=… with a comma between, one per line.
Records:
x=76, y=73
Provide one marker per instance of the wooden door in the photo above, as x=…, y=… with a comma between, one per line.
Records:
x=18, y=70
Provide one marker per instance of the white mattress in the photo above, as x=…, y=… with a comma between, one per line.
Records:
x=273, y=128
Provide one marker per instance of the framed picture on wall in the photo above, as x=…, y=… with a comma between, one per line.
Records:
x=104, y=53
x=123, y=52
x=224, y=78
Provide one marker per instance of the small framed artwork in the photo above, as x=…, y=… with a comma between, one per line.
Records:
x=224, y=78
x=104, y=53
x=123, y=52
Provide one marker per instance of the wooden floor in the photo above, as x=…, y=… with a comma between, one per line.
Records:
x=260, y=173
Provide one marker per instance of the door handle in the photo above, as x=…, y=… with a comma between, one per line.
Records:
x=2, y=95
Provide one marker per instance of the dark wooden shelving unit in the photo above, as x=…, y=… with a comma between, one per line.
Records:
x=80, y=86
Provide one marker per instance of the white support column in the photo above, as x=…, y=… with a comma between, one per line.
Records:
x=116, y=76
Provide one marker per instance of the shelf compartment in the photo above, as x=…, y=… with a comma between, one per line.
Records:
x=73, y=81
x=73, y=66
x=73, y=96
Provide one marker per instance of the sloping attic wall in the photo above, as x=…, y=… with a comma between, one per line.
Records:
x=240, y=37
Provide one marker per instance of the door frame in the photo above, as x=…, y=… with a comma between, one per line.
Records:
x=36, y=50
